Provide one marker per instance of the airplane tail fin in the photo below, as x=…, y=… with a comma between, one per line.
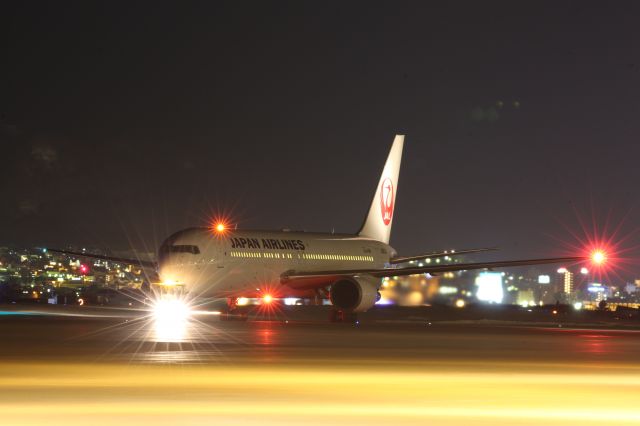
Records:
x=377, y=224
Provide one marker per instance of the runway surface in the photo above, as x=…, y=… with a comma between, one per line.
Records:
x=106, y=366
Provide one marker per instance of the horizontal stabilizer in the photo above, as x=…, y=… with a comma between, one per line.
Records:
x=436, y=254
x=143, y=263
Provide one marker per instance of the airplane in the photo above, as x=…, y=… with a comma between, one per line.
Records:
x=224, y=262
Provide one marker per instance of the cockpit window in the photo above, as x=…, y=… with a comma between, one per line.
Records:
x=182, y=249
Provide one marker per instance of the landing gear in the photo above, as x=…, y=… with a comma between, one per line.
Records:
x=233, y=313
x=318, y=297
x=338, y=315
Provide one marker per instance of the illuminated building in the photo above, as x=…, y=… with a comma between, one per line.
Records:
x=568, y=282
x=544, y=279
x=526, y=298
x=597, y=291
x=631, y=288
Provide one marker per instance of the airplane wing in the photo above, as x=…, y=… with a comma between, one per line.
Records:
x=437, y=254
x=290, y=277
x=142, y=263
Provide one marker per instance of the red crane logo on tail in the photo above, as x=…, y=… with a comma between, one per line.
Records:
x=386, y=200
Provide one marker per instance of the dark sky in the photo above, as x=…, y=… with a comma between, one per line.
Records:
x=122, y=122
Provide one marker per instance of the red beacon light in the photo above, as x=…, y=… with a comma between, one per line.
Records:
x=219, y=227
x=598, y=257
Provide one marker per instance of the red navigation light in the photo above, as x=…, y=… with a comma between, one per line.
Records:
x=598, y=257
x=84, y=268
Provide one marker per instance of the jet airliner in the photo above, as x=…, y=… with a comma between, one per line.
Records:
x=221, y=262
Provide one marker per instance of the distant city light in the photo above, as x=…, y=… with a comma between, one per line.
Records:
x=460, y=303
x=562, y=270
x=596, y=288
x=577, y=306
x=544, y=279
x=584, y=271
x=490, y=287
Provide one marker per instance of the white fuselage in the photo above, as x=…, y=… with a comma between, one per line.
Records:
x=237, y=263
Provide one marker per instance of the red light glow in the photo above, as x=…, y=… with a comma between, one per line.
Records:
x=267, y=298
x=599, y=257
x=606, y=241
x=219, y=226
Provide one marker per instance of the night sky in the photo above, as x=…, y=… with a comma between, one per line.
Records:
x=122, y=122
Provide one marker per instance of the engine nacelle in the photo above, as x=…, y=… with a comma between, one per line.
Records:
x=355, y=294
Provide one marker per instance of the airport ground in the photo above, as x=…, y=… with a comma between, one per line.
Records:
x=104, y=366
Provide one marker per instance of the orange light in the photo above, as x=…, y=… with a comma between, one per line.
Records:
x=267, y=298
x=220, y=227
x=598, y=257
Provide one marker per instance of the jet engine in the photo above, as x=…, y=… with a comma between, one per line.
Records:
x=356, y=294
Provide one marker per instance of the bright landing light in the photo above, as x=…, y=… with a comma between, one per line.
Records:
x=171, y=317
x=267, y=298
x=171, y=308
